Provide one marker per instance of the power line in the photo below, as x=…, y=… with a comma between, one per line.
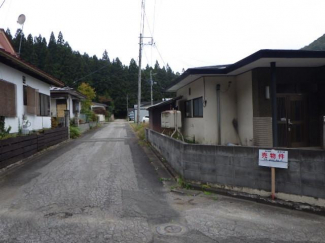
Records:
x=92, y=73
x=2, y=3
x=145, y=53
x=160, y=55
x=154, y=18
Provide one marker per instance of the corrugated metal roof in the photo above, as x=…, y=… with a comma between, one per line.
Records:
x=167, y=102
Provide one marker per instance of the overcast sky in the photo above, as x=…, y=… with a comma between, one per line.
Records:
x=188, y=33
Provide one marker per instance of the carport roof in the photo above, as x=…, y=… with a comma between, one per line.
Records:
x=167, y=102
x=261, y=58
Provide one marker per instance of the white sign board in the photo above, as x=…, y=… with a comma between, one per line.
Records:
x=273, y=158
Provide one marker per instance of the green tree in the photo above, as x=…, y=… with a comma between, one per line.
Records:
x=108, y=78
x=60, y=40
x=90, y=93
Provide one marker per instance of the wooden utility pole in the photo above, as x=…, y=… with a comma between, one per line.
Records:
x=151, y=83
x=127, y=106
x=139, y=80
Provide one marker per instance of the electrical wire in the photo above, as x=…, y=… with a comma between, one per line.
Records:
x=91, y=73
x=154, y=18
x=2, y=3
x=146, y=55
x=160, y=55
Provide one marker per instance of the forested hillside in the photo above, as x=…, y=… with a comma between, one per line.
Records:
x=111, y=79
x=317, y=45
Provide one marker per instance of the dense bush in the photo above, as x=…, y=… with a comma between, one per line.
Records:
x=74, y=132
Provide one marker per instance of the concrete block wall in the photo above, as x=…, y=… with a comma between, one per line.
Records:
x=238, y=166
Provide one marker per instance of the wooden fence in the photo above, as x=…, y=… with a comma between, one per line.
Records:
x=15, y=149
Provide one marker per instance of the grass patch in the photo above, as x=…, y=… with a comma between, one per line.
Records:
x=207, y=193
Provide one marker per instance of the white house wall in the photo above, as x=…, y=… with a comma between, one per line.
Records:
x=205, y=129
x=245, y=108
x=14, y=76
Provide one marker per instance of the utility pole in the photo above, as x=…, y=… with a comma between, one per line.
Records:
x=151, y=83
x=127, y=107
x=139, y=80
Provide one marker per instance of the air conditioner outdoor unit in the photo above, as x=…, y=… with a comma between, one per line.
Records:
x=170, y=118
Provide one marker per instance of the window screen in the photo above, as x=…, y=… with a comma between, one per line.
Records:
x=7, y=99
x=198, y=107
x=30, y=99
x=188, y=108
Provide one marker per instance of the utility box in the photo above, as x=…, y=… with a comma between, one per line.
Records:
x=170, y=118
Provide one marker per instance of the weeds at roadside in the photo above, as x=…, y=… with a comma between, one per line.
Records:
x=183, y=184
x=205, y=186
x=140, y=131
x=207, y=193
x=173, y=187
x=164, y=179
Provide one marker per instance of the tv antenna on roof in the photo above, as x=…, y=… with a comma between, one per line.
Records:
x=21, y=20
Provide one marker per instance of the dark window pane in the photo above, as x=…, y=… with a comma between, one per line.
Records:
x=198, y=107
x=188, y=108
x=25, y=94
x=44, y=104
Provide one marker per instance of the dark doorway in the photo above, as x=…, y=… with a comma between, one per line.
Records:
x=292, y=120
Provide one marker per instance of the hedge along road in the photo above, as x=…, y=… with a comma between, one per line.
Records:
x=103, y=188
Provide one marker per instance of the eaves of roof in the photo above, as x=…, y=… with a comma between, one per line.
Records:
x=266, y=53
x=71, y=92
x=27, y=68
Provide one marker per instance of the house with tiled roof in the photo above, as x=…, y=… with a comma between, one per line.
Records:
x=65, y=98
x=24, y=91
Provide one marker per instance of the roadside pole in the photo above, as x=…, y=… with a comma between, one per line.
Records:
x=323, y=132
x=67, y=121
x=273, y=183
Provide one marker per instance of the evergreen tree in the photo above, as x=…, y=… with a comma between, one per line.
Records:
x=111, y=80
x=60, y=40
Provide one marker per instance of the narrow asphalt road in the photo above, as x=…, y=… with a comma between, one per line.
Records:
x=103, y=188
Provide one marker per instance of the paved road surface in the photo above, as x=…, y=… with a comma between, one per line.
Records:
x=103, y=188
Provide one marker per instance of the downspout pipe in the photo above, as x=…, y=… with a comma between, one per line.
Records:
x=218, y=114
x=274, y=105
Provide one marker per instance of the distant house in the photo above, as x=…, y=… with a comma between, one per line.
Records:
x=100, y=110
x=24, y=90
x=65, y=98
x=272, y=98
